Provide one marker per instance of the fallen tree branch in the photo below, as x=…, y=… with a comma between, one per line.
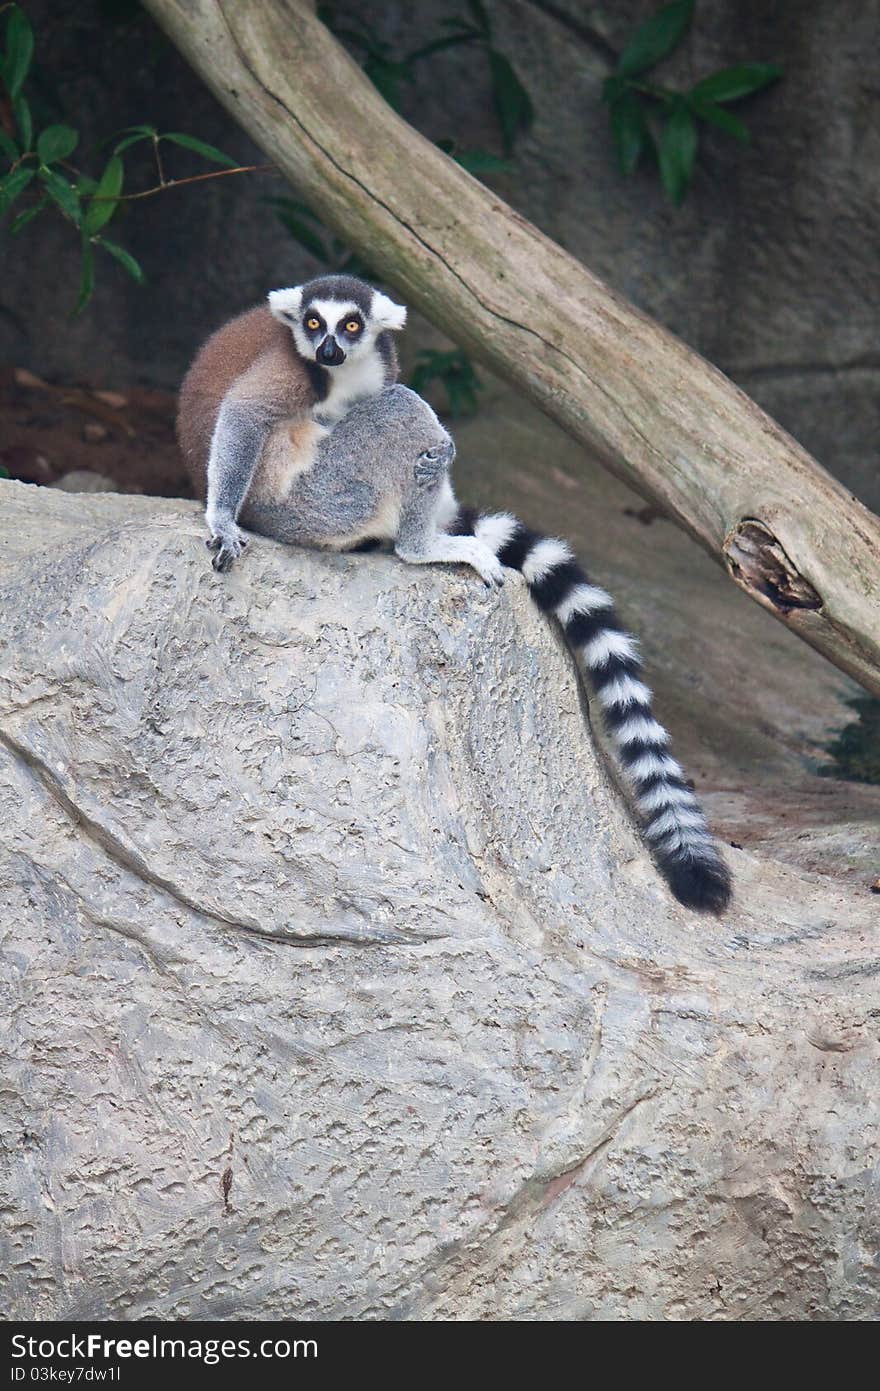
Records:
x=658, y=415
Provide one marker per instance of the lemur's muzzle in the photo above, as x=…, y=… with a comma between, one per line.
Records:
x=330, y=354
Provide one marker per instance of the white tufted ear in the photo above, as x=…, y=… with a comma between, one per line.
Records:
x=286, y=304
x=385, y=313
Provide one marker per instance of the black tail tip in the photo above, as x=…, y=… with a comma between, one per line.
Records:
x=702, y=884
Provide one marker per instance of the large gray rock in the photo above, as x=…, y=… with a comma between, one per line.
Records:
x=313, y=881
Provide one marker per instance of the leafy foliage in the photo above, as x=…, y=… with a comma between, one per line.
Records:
x=656, y=39
x=856, y=750
x=42, y=165
x=200, y=147
x=307, y=228
x=388, y=74
x=649, y=119
x=455, y=372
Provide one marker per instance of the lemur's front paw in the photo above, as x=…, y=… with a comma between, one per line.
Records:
x=432, y=464
x=487, y=565
x=227, y=542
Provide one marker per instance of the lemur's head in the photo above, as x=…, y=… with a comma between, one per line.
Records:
x=336, y=318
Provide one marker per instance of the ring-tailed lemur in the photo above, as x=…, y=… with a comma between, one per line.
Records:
x=266, y=386
x=382, y=474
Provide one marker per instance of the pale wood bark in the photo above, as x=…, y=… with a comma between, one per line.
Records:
x=651, y=409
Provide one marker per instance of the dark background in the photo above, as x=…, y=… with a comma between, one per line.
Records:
x=769, y=269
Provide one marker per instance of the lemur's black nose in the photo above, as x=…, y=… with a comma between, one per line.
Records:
x=330, y=353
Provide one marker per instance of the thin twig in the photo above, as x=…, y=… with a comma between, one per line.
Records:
x=179, y=183
x=159, y=168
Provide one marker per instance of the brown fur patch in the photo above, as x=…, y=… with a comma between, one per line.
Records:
x=255, y=355
x=289, y=452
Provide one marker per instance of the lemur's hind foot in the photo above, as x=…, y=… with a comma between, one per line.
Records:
x=433, y=465
x=421, y=537
x=458, y=550
x=674, y=826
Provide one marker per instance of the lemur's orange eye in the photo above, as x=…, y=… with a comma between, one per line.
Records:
x=352, y=326
x=312, y=322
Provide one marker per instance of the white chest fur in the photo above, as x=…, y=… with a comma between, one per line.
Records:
x=347, y=383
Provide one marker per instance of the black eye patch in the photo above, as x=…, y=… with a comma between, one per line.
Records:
x=313, y=323
x=351, y=325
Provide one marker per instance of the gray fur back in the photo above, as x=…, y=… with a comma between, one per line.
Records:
x=361, y=473
x=380, y=438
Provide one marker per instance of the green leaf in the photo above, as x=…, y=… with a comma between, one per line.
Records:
x=732, y=84
x=63, y=194
x=57, y=142
x=132, y=134
x=27, y=216
x=481, y=161
x=129, y=140
x=464, y=35
x=511, y=99
x=455, y=371
x=19, y=51
x=717, y=116
x=85, y=185
x=677, y=150
x=24, y=121
x=209, y=152
x=613, y=87
x=109, y=188
x=474, y=161
x=480, y=18
x=124, y=258
x=629, y=130
x=86, y=279
x=656, y=38
x=293, y=205
x=304, y=234
x=362, y=35
x=8, y=146
x=4, y=471
x=13, y=185
x=361, y=38
x=386, y=77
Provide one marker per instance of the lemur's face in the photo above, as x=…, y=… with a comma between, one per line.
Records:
x=330, y=332
x=336, y=320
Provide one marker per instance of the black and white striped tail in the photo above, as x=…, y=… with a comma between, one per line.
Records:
x=673, y=824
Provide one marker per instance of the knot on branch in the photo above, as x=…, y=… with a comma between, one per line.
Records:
x=759, y=564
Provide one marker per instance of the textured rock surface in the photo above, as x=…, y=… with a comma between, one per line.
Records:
x=768, y=269
x=311, y=873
